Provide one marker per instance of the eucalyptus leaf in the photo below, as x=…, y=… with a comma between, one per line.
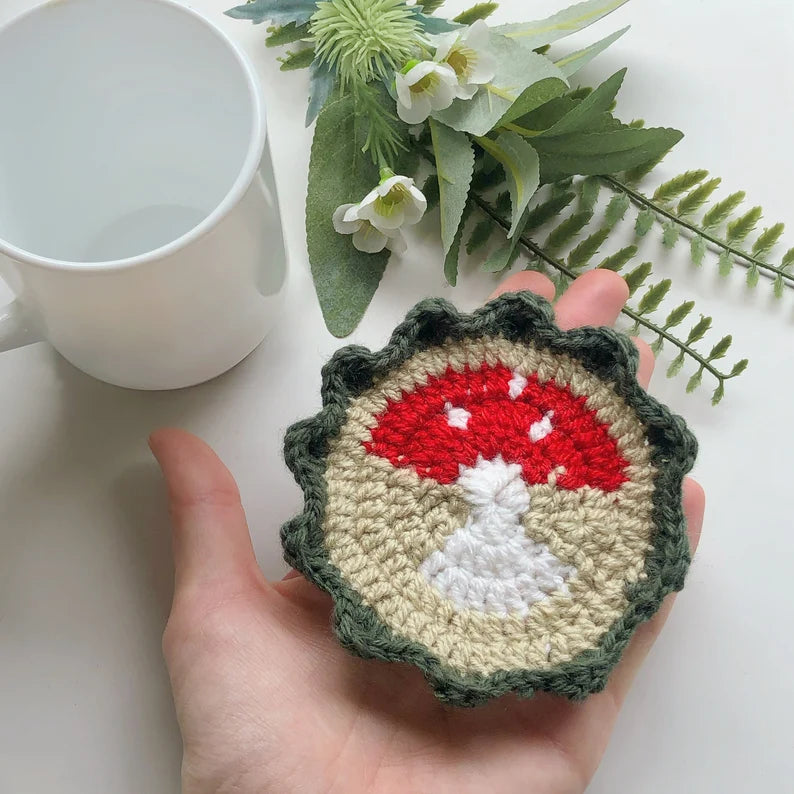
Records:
x=321, y=85
x=516, y=69
x=571, y=64
x=434, y=25
x=601, y=152
x=564, y=23
x=521, y=165
x=455, y=165
x=279, y=12
x=339, y=172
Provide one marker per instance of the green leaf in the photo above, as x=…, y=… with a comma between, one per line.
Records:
x=698, y=330
x=601, y=152
x=431, y=191
x=454, y=165
x=778, y=286
x=616, y=209
x=502, y=205
x=453, y=255
x=279, y=12
x=521, y=165
x=636, y=278
x=564, y=23
x=286, y=34
x=589, y=189
x=739, y=367
x=720, y=349
x=657, y=345
x=532, y=98
x=767, y=240
x=718, y=393
x=743, y=225
x=619, y=259
x=670, y=232
x=321, y=86
x=722, y=210
x=673, y=188
x=566, y=231
x=725, y=263
x=752, y=276
x=547, y=210
x=693, y=201
x=480, y=235
x=430, y=6
x=645, y=219
x=588, y=248
x=580, y=117
x=679, y=314
x=580, y=92
x=479, y=11
x=571, y=64
x=637, y=124
x=788, y=259
x=697, y=248
x=300, y=59
x=434, y=25
x=675, y=365
x=505, y=254
x=516, y=69
x=694, y=381
x=486, y=180
x=339, y=173
x=639, y=172
x=651, y=300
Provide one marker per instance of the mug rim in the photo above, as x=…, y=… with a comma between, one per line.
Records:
x=242, y=182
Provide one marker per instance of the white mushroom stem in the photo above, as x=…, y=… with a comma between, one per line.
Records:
x=490, y=565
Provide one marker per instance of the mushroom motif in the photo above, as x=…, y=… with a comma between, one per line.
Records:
x=493, y=432
x=491, y=499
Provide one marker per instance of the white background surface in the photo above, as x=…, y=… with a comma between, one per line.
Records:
x=85, y=571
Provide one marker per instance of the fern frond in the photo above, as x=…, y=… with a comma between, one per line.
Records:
x=722, y=210
x=639, y=172
x=566, y=231
x=671, y=189
x=644, y=224
x=697, y=249
x=618, y=260
x=431, y=191
x=768, y=239
x=300, y=59
x=589, y=188
x=670, y=233
x=547, y=210
x=678, y=315
x=694, y=200
x=616, y=209
x=743, y=225
x=480, y=235
x=655, y=294
x=588, y=248
x=637, y=277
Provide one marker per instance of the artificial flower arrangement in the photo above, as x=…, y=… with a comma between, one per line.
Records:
x=491, y=119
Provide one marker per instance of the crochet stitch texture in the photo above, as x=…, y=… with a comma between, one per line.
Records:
x=491, y=499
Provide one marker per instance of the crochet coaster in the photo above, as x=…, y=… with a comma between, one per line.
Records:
x=491, y=499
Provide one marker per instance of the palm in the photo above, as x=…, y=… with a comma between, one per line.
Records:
x=269, y=701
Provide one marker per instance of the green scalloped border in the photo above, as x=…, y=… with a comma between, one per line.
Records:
x=518, y=317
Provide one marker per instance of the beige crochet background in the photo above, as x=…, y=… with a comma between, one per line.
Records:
x=382, y=522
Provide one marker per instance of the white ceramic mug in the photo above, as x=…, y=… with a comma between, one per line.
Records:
x=139, y=227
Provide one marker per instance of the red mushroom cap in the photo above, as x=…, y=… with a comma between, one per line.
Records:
x=424, y=431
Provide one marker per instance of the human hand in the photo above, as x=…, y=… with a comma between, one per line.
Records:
x=267, y=699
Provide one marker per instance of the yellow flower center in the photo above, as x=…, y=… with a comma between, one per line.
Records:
x=426, y=84
x=386, y=205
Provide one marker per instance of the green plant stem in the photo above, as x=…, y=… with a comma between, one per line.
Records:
x=532, y=246
x=643, y=201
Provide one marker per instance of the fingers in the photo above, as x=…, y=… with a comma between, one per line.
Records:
x=647, y=362
x=212, y=546
x=694, y=506
x=527, y=280
x=595, y=298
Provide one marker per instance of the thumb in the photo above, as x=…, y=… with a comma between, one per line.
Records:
x=212, y=545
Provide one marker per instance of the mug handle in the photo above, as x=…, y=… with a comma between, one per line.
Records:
x=16, y=327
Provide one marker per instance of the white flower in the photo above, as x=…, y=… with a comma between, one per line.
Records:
x=395, y=202
x=366, y=237
x=466, y=53
x=423, y=87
